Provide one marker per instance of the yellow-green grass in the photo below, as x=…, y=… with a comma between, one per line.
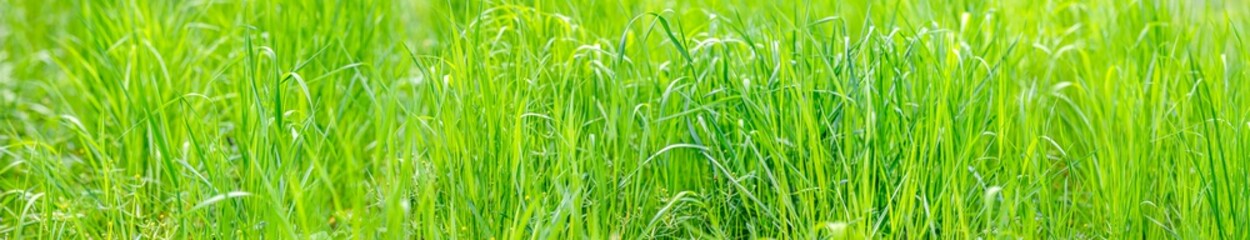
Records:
x=633, y=119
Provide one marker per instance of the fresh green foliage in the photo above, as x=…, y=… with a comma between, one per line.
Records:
x=633, y=119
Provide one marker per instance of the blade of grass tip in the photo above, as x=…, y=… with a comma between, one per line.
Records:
x=657, y=154
x=620, y=50
x=303, y=86
x=10, y=166
x=21, y=219
x=681, y=48
x=672, y=202
x=218, y=198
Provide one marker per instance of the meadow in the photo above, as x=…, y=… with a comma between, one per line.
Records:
x=624, y=119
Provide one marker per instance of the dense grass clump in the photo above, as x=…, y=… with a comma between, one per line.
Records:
x=634, y=119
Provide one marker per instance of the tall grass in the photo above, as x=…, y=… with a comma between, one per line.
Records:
x=535, y=119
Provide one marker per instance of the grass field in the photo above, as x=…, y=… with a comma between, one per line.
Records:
x=624, y=119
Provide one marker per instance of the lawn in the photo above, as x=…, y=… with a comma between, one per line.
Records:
x=624, y=119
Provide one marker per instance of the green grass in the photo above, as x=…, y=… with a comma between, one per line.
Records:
x=632, y=119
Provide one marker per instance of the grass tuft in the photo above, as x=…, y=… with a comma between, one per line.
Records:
x=537, y=119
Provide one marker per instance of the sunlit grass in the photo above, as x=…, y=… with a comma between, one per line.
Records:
x=638, y=119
